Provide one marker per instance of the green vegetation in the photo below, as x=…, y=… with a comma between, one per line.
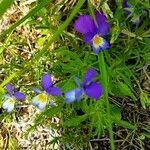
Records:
x=43, y=40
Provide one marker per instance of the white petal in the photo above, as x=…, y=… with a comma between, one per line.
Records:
x=41, y=106
x=40, y=101
x=9, y=104
x=51, y=102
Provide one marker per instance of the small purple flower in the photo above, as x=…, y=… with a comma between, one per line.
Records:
x=41, y=100
x=128, y=10
x=90, y=88
x=93, y=33
x=11, y=97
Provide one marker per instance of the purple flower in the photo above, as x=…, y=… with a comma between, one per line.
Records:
x=125, y=4
x=42, y=99
x=93, y=33
x=128, y=10
x=11, y=97
x=90, y=88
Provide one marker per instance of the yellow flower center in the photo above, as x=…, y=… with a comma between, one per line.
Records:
x=11, y=100
x=97, y=40
x=42, y=97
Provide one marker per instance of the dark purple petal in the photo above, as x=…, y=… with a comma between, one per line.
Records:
x=18, y=95
x=125, y=4
x=53, y=91
x=103, y=26
x=84, y=24
x=73, y=95
x=88, y=38
x=89, y=75
x=9, y=88
x=93, y=90
x=46, y=81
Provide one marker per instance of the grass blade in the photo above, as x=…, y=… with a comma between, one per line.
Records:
x=4, y=5
x=45, y=49
x=31, y=13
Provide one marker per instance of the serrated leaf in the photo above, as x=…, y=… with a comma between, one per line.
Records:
x=145, y=100
x=121, y=89
x=115, y=34
x=75, y=121
x=124, y=123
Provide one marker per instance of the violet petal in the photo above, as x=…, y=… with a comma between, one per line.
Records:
x=88, y=38
x=84, y=24
x=18, y=95
x=9, y=88
x=89, y=75
x=103, y=27
x=93, y=90
x=46, y=81
x=73, y=95
x=53, y=91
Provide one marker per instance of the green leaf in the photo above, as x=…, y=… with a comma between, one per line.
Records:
x=40, y=42
x=115, y=112
x=147, y=135
x=145, y=100
x=4, y=5
x=75, y=121
x=55, y=36
x=67, y=85
x=121, y=89
x=47, y=113
x=115, y=34
x=7, y=80
x=123, y=123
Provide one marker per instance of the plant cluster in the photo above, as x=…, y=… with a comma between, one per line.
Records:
x=82, y=85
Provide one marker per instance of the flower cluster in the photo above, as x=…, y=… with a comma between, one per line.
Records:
x=90, y=88
x=94, y=32
x=11, y=98
x=42, y=99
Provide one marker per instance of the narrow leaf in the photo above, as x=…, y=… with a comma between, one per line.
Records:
x=75, y=121
x=4, y=5
x=124, y=124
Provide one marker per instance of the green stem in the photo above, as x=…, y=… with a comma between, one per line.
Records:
x=104, y=76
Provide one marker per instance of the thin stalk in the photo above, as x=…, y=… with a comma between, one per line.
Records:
x=104, y=76
x=6, y=42
x=31, y=13
x=60, y=29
